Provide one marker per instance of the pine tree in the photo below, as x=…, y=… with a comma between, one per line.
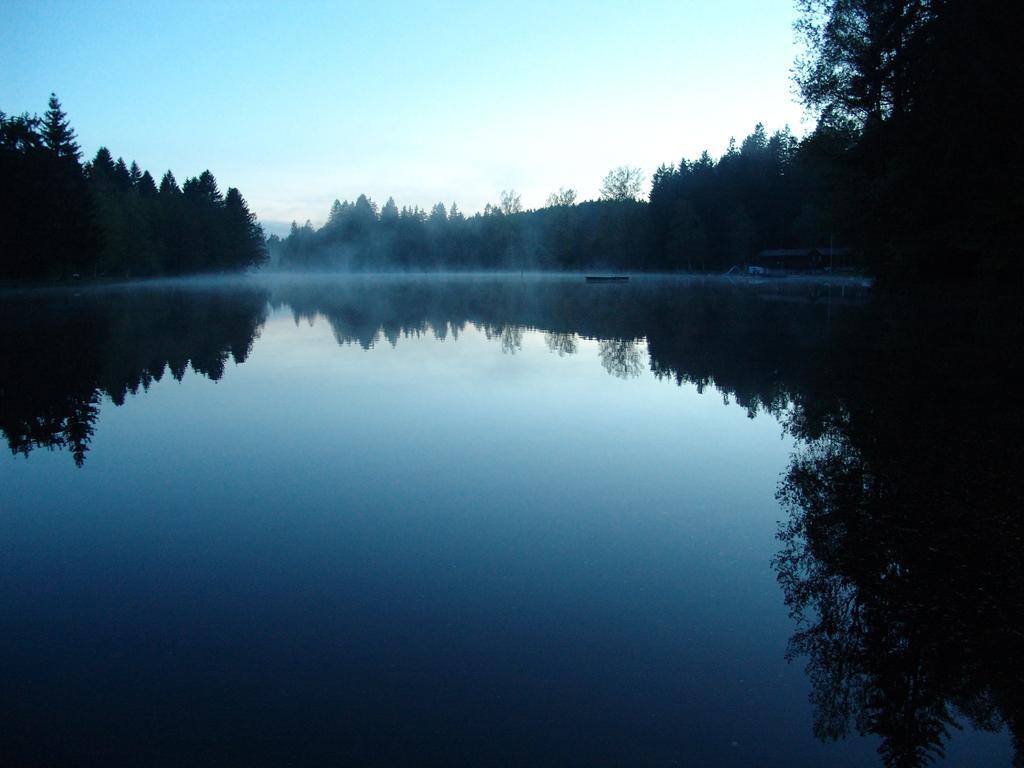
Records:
x=169, y=185
x=58, y=137
x=244, y=236
x=146, y=186
x=389, y=212
x=203, y=190
x=102, y=166
x=134, y=174
x=334, y=217
x=122, y=174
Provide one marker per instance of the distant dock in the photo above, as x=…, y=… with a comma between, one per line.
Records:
x=607, y=278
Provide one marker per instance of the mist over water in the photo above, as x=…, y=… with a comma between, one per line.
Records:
x=504, y=519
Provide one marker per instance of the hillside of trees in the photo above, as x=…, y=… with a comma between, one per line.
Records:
x=767, y=192
x=60, y=218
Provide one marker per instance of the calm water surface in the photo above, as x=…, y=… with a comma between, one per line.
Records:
x=485, y=521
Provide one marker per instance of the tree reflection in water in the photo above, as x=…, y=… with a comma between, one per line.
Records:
x=900, y=559
x=561, y=343
x=62, y=352
x=510, y=336
x=621, y=358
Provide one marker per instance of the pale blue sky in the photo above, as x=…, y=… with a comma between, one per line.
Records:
x=299, y=103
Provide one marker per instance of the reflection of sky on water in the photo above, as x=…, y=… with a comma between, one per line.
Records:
x=477, y=547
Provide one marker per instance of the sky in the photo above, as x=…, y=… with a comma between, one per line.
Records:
x=299, y=103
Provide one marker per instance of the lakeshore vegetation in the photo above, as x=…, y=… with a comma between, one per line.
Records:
x=898, y=170
x=60, y=218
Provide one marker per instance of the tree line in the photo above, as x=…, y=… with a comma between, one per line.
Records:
x=61, y=218
x=899, y=167
x=702, y=214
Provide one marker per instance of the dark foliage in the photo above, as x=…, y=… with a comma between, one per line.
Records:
x=46, y=218
x=925, y=88
x=59, y=218
x=770, y=192
x=610, y=234
x=900, y=167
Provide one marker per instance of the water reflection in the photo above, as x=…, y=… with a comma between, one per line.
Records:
x=561, y=343
x=509, y=336
x=61, y=353
x=900, y=556
x=621, y=358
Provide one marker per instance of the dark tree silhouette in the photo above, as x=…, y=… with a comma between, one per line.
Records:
x=58, y=136
x=917, y=85
x=59, y=219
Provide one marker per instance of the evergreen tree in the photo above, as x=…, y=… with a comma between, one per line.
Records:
x=58, y=136
x=169, y=186
x=203, y=190
x=438, y=214
x=47, y=228
x=134, y=174
x=122, y=176
x=389, y=213
x=102, y=166
x=58, y=218
x=245, y=245
x=146, y=186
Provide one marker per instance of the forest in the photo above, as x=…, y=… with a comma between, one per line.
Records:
x=913, y=164
x=61, y=219
x=900, y=170
x=701, y=215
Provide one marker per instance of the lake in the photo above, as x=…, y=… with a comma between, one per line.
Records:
x=507, y=520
